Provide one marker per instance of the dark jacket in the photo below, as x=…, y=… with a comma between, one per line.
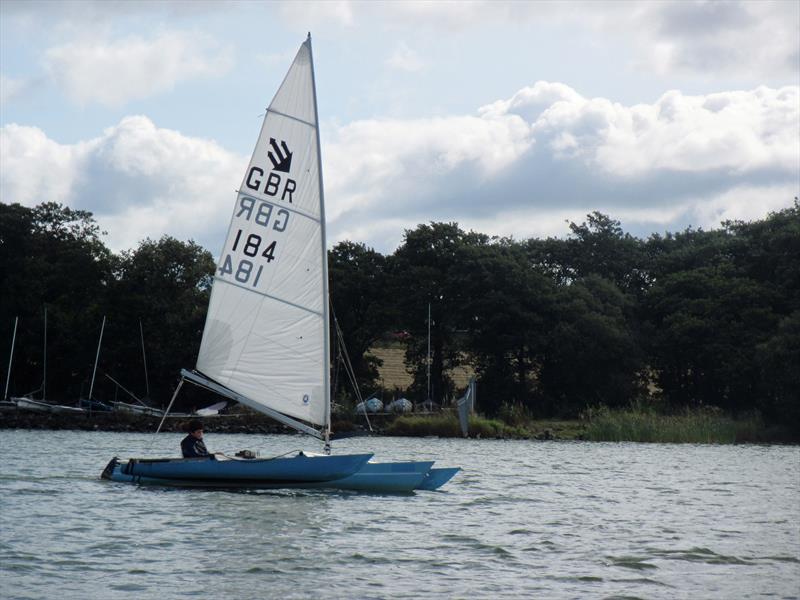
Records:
x=191, y=447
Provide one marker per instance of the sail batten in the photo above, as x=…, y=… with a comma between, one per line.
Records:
x=273, y=297
x=291, y=209
x=265, y=336
x=277, y=112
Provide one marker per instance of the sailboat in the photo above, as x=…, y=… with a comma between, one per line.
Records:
x=141, y=407
x=5, y=402
x=265, y=343
x=90, y=403
x=27, y=402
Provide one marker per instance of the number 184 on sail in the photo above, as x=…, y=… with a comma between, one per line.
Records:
x=244, y=261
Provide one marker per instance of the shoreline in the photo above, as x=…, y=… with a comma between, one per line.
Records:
x=126, y=422
x=256, y=423
x=442, y=425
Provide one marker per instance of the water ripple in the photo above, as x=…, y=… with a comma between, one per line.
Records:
x=523, y=520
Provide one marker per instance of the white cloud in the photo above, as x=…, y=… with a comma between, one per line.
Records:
x=368, y=162
x=744, y=38
x=742, y=131
x=405, y=59
x=112, y=73
x=319, y=12
x=139, y=180
x=519, y=166
x=526, y=164
x=738, y=203
x=752, y=38
x=36, y=169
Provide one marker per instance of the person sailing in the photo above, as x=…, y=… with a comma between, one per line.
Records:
x=193, y=445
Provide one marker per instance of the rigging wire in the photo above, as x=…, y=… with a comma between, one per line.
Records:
x=344, y=357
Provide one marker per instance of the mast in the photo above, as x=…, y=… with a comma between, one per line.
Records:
x=11, y=357
x=429, y=352
x=44, y=366
x=144, y=360
x=97, y=356
x=324, y=250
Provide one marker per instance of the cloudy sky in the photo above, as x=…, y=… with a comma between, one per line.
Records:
x=507, y=117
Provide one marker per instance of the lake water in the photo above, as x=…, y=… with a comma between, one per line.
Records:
x=523, y=520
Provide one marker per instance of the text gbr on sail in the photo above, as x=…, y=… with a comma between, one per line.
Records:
x=271, y=185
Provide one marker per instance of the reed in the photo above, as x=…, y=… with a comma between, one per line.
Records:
x=446, y=425
x=699, y=426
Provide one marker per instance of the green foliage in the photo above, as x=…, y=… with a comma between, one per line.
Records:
x=358, y=279
x=600, y=247
x=443, y=425
x=446, y=425
x=779, y=360
x=593, y=354
x=507, y=312
x=699, y=426
x=51, y=256
x=515, y=414
x=551, y=327
x=165, y=284
x=427, y=269
x=718, y=300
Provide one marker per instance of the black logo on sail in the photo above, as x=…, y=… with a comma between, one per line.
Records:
x=281, y=159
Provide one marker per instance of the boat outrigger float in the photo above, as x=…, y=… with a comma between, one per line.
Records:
x=265, y=342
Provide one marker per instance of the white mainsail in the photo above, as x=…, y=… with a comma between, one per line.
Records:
x=266, y=333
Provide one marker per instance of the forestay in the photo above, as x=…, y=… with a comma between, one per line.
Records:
x=265, y=336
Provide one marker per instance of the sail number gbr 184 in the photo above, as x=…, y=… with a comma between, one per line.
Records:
x=252, y=240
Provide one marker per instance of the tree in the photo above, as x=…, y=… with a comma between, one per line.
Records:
x=52, y=256
x=706, y=324
x=768, y=251
x=358, y=277
x=779, y=359
x=592, y=356
x=507, y=311
x=166, y=284
x=426, y=270
x=598, y=246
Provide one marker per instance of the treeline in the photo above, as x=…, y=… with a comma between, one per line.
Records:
x=53, y=257
x=551, y=327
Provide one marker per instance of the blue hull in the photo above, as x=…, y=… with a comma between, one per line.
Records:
x=394, y=477
x=235, y=473
x=345, y=472
x=436, y=478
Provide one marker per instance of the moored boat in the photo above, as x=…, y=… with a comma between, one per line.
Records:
x=25, y=403
x=401, y=405
x=137, y=409
x=371, y=405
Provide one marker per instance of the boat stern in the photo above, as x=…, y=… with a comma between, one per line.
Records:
x=108, y=472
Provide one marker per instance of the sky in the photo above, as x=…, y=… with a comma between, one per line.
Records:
x=509, y=118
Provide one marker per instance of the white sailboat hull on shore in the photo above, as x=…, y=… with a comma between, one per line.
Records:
x=33, y=405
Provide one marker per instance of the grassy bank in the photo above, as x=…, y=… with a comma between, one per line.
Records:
x=636, y=424
x=697, y=426
x=446, y=425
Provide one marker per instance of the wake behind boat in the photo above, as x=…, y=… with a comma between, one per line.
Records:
x=265, y=342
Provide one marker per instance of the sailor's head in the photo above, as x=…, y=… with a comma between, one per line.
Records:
x=195, y=428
